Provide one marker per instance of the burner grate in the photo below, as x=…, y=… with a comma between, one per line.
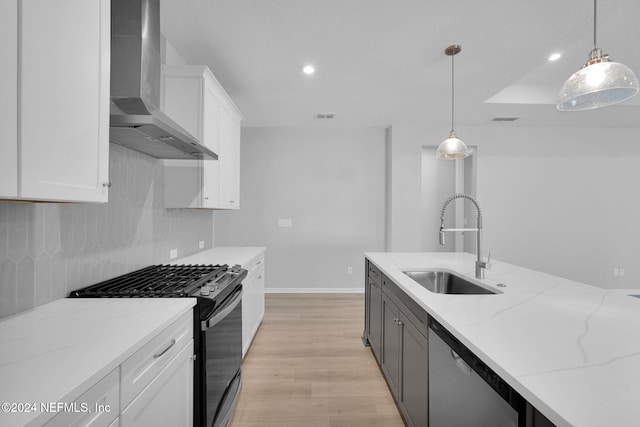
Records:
x=155, y=281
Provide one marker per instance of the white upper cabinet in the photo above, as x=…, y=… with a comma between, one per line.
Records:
x=229, y=197
x=56, y=106
x=195, y=100
x=9, y=99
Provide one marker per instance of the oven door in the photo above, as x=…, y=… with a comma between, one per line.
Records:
x=222, y=345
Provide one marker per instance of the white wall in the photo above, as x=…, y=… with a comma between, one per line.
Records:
x=330, y=183
x=438, y=183
x=558, y=200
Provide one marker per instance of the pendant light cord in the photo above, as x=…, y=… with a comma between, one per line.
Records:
x=595, y=11
x=452, y=89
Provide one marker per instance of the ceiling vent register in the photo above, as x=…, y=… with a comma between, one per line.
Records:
x=505, y=119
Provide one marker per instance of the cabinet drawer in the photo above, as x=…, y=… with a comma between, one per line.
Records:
x=255, y=266
x=100, y=403
x=416, y=314
x=168, y=399
x=256, y=274
x=374, y=273
x=138, y=370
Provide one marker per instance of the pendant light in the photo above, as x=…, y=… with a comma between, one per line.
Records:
x=599, y=83
x=452, y=148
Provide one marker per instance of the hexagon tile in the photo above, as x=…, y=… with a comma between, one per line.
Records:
x=49, y=249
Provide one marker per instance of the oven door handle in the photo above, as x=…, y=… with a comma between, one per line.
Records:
x=221, y=313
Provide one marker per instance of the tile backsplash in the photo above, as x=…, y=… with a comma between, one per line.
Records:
x=50, y=249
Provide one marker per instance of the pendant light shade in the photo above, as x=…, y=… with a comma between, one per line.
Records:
x=599, y=83
x=452, y=148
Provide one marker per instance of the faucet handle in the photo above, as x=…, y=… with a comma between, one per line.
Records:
x=484, y=264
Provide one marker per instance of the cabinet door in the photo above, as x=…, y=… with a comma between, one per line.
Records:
x=211, y=113
x=211, y=138
x=414, y=368
x=391, y=343
x=234, y=173
x=64, y=99
x=375, y=318
x=97, y=407
x=225, y=161
x=252, y=301
x=168, y=399
x=9, y=99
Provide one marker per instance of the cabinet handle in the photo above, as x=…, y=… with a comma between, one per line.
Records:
x=260, y=276
x=171, y=344
x=106, y=184
x=232, y=201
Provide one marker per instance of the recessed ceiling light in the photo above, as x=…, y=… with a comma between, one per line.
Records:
x=308, y=69
x=555, y=56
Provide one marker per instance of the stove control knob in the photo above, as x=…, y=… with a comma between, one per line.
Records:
x=205, y=290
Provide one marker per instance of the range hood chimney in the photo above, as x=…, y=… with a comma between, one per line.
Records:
x=136, y=74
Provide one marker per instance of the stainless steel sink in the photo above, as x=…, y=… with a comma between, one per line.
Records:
x=444, y=282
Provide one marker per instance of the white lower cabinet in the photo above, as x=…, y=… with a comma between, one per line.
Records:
x=148, y=362
x=156, y=382
x=168, y=399
x=153, y=387
x=97, y=407
x=252, y=300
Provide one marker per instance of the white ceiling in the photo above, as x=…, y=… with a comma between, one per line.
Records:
x=379, y=61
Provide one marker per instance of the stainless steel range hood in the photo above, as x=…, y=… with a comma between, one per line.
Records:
x=136, y=74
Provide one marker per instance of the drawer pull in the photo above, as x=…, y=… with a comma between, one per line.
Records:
x=171, y=344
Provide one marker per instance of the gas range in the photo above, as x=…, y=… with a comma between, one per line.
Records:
x=217, y=320
x=210, y=284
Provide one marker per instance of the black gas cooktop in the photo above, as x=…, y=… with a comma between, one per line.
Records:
x=171, y=281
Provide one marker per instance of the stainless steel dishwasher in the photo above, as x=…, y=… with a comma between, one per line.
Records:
x=464, y=391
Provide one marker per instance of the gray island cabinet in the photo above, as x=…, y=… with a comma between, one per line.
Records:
x=396, y=328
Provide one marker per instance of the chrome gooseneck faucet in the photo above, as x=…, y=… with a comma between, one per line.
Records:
x=481, y=265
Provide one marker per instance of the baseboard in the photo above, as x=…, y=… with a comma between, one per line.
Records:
x=314, y=290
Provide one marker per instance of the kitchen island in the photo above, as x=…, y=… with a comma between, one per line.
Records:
x=570, y=349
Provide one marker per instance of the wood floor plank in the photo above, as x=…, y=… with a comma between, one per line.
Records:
x=308, y=367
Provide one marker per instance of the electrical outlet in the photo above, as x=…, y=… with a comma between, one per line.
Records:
x=349, y=270
x=201, y=244
x=285, y=222
x=173, y=254
x=621, y=272
x=616, y=271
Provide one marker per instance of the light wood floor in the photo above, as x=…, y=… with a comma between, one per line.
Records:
x=308, y=367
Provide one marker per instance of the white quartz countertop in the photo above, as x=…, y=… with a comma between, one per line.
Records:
x=570, y=349
x=55, y=352
x=222, y=255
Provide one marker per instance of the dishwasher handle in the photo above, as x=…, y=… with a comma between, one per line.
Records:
x=460, y=363
x=461, y=354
